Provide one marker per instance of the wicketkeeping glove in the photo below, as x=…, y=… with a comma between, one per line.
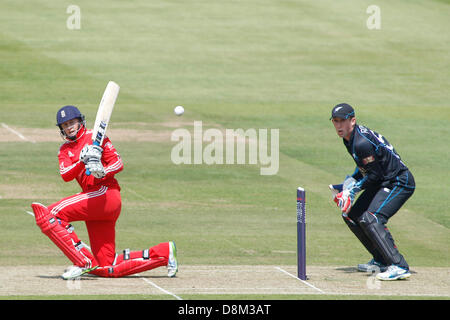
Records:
x=344, y=201
x=346, y=197
x=89, y=152
x=96, y=168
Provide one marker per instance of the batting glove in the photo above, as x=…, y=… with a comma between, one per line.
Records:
x=89, y=152
x=96, y=168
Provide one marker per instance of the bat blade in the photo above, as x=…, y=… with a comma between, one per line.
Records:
x=104, y=112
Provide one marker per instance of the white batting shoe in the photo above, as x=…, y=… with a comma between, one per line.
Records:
x=172, y=265
x=74, y=272
x=394, y=273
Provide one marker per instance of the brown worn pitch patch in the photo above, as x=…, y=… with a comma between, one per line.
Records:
x=213, y=280
x=139, y=133
x=28, y=191
x=34, y=135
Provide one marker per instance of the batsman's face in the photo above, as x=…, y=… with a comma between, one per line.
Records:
x=71, y=127
x=344, y=127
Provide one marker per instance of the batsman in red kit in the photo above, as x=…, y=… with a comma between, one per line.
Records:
x=98, y=204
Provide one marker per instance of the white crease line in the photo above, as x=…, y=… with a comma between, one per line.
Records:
x=136, y=194
x=21, y=136
x=246, y=251
x=305, y=282
x=163, y=290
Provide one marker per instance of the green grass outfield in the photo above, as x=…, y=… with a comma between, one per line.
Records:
x=231, y=64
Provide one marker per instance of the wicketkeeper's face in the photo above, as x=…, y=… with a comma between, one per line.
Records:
x=344, y=127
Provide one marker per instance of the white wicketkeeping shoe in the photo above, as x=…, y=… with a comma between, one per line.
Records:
x=172, y=265
x=74, y=272
x=394, y=273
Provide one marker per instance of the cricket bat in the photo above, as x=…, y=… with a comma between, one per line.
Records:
x=104, y=114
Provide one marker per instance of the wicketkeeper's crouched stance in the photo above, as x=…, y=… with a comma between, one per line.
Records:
x=99, y=205
x=387, y=185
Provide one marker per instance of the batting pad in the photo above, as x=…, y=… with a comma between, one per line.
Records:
x=66, y=241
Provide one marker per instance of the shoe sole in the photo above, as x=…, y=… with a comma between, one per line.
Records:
x=399, y=277
x=174, y=253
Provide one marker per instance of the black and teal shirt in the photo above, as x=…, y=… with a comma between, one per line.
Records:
x=378, y=164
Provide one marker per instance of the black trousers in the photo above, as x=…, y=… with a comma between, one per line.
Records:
x=381, y=202
x=384, y=201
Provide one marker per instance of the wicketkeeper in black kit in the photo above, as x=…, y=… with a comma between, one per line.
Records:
x=387, y=184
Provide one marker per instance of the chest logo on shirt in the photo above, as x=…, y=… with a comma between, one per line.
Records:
x=71, y=154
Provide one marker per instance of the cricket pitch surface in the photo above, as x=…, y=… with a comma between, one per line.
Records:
x=216, y=280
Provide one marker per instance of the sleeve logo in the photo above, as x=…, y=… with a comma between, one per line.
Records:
x=368, y=160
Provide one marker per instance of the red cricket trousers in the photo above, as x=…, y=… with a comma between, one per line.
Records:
x=100, y=209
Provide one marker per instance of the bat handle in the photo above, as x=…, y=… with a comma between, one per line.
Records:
x=95, y=143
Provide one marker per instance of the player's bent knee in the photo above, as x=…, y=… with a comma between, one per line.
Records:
x=367, y=219
x=62, y=236
x=381, y=238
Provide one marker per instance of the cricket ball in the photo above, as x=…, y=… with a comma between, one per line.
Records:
x=179, y=110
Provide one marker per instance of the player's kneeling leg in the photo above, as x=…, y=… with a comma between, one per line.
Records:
x=61, y=234
x=132, y=262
